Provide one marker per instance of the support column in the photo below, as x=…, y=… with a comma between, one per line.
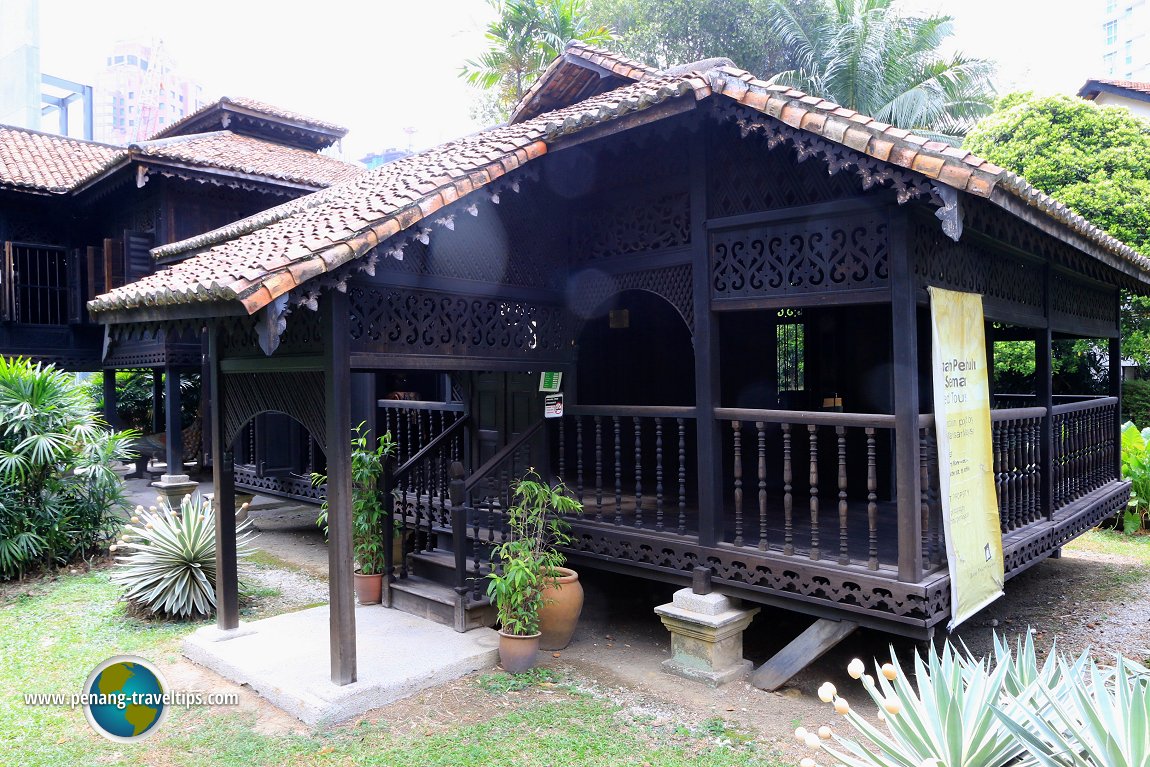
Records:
x=905, y=380
x=110, y=414
x=709, y=456
x=1116, y=391
x=337, y=398
x=1044, y=398
x=174, y=484
x=363, y=404
x=157, y=400
x=223, y=478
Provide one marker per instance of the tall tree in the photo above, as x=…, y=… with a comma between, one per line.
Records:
x=525, y=37
x=1095, y=159
x=867, y=56
x=663, y=33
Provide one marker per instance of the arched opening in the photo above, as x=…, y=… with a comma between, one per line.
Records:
x=274, y=454
x=636, y=350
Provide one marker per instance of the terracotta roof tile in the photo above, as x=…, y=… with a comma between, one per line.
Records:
x=252, y=105
x=229, y=151
x=49, y=163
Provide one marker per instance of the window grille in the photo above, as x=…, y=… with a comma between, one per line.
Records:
x=34, y=284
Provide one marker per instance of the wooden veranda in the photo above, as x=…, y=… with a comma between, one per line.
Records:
x=708, y=260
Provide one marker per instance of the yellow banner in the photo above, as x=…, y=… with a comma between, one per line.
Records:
x=965, y=456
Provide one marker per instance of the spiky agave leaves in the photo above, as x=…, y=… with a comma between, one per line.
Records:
x=172, y=568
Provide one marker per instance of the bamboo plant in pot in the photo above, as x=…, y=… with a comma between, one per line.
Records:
x=368, y=514
x=524, y=563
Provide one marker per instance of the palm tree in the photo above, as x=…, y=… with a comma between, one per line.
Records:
x=867, y=56
x=523, y=40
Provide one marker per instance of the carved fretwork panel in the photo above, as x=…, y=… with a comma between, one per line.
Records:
x=848, y=252
x=142, y=345
x=1076, y=300
x=630, y=224
x=750, y=572
x=298, y=394
x=589, y=289
x=302, y=335
x=745, y=176
x=399, y=320
x=939, y=261
x=1070, y=526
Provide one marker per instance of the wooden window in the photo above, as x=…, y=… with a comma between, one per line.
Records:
x=790, y=349
x=34, y=284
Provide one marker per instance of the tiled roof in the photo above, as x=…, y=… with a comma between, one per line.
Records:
x=44, y=162
x=265, y=256
x=1136, y=90
x=225, y=150
x=569, y=78
x=262, y=257
x=252, y=105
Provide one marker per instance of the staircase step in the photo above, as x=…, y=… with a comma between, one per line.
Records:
x=424, y=598
x=439, y=565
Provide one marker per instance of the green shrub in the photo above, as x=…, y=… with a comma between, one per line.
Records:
x=1136, y=401
x=1136, y=468
x=59, y=497
x=172, y=568
x=134, y=397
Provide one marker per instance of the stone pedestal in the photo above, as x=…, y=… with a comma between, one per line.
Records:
x=174, y=487
x=706, y=636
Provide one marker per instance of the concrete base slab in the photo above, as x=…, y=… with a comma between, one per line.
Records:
x=708, y=676
x=286, y=660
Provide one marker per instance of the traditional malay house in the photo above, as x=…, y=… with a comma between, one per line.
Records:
x=78, y=219
x=732, y=279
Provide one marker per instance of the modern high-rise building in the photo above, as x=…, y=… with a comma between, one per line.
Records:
x=140, y=92
x=1126, y=47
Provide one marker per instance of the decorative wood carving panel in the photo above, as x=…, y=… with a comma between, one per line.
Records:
x=591, y=288
x=298, y=394
x=627, y=225
x=1073, y=298
x=800, y=257
x=398, y=320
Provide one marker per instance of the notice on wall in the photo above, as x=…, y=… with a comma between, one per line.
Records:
x=553, y=405
x=965, y=457
x=550, y=382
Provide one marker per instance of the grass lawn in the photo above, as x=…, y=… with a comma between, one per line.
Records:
x=51, y=640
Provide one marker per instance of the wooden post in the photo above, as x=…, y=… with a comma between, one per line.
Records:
x=1044, y=389
x=709, y=457
x=337, y=398
x=223, y=479
x=173, y=424
x=364, y=404
x=157, y=400
x=904, y=324
x=110, y=414
x=1116, y=391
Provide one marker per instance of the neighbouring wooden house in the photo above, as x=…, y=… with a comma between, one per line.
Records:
x=78, y=219
x=731, y=277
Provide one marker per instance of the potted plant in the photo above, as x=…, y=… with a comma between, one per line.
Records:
x=525, y=563
x=367, y=512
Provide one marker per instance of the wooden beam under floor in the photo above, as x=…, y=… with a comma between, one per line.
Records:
x=803, y=650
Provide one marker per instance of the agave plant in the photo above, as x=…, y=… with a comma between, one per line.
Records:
x=1099, y=719
x=172, y=568
x=949, y=720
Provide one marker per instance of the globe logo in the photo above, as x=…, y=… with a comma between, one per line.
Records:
x=125, y=698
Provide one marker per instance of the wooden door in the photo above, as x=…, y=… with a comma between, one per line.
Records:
x=503, y=405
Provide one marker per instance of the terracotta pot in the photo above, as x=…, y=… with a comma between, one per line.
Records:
x=517, y=653
x=369, y=589
x=560, y=612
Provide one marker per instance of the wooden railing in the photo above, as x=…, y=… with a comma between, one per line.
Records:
x=414, y=423
x=1016, y=440
x=807, y=483
x=1085, y=441
x=629, y=465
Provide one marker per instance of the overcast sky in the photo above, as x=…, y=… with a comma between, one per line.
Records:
x=380, y=67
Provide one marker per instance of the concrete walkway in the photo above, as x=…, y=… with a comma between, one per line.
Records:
x=285, y=659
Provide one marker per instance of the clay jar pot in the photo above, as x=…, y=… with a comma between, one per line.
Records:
x=560, y=611
x=517, y=653
x=368, y=589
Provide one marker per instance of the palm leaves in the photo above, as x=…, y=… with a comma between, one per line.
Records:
x=524, y=39
x=866, y=56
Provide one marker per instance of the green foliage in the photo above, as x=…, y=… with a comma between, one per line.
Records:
x=501, y=682
x=367, y=508
x=664, y=33
x=1136, y=401
x=172, y=568
x=58, y=493
x=1099, y=718
x=525, y=38
x=869, y=56
x=1136, y=468
x=1096, y=159
x=525, y=561
x=134, y=397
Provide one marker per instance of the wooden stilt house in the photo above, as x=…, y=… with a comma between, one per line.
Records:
x=730, y=276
